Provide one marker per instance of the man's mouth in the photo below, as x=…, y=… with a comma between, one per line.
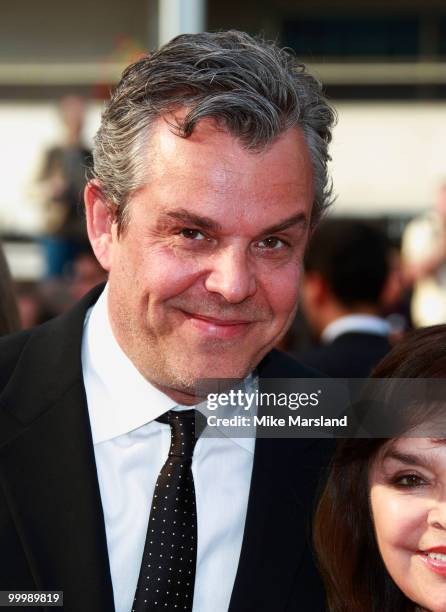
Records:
x=218, y=321
x=435, y=559
x=217, y=327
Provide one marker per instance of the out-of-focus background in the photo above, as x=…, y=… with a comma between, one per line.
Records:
x=383, y=67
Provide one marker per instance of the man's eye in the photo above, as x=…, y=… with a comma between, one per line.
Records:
x=192, y=234
x=271, y=243
x=409, y=481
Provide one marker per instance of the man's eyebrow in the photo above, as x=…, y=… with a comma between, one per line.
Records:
x=189, y=218
x=299, y=219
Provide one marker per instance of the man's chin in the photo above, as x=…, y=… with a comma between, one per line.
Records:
x=233, y=369
x=194, y=380
x=191, y=380
x=195, y=390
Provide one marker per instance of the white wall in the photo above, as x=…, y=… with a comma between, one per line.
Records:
x=388, y=157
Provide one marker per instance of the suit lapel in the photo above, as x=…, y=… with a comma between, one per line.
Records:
x=48, y=470
x=273, y=538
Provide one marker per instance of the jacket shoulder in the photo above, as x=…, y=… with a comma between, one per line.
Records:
x=45, y=360
x=277, y=364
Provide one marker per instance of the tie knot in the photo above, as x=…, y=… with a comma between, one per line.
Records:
x=182, y=429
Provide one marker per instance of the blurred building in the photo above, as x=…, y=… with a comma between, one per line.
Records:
x=382, y=63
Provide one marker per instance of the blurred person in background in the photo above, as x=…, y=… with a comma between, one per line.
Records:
x=86, y=273
x=61, y=183
x=424, y=258
x=346, y=267
x=36, y=305
x=395, y=298
x=9, y=314
x=30, y=304
x=40, y=301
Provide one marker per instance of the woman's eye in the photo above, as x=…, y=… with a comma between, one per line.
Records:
x=192, y=234
x=409, y=481
x=271, y=243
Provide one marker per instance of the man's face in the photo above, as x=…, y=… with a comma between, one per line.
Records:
x=204, y=280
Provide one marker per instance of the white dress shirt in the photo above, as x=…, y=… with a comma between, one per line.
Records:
x=364, y=323
x=130, y=449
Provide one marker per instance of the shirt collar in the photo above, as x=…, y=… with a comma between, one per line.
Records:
x=364, y=323
x=120, y=399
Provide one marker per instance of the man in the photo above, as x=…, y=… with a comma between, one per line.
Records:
x=210, y=168
x=346, y=268
x=61, y=182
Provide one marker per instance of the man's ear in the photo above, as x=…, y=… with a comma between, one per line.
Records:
x=99, y=223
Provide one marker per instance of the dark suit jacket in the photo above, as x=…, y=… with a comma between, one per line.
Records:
x=52, y=533
x=350, y=355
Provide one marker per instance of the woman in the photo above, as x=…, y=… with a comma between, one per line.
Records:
x=380, y=527
x=9, y=315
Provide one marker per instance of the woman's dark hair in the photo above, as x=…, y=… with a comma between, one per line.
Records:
x=353, y=571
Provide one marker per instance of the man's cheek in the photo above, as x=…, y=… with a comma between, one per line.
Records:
x=173, y=274
x=284, y=294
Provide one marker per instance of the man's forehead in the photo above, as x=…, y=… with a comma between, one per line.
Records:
x=213, y=158
x=211, y=174
x=211, y=138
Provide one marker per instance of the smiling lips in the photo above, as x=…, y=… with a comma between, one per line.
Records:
x=219, y=321
x=435, y=559
x=218, y=328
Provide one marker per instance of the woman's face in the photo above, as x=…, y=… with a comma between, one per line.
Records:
x=408, y=502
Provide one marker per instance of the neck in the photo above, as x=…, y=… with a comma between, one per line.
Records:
x=359, y=309
x=338, y=311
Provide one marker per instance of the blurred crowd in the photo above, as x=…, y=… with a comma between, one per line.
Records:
x=361, y=291
x=70, y=268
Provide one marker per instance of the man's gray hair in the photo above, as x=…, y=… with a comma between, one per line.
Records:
x=251, y=87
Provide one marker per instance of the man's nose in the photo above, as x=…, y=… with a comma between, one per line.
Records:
x=231, y=276
x=437, y=515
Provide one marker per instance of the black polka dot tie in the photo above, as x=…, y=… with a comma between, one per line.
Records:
x=167, y=575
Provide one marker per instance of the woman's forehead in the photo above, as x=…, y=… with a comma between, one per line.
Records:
x=408, y=446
